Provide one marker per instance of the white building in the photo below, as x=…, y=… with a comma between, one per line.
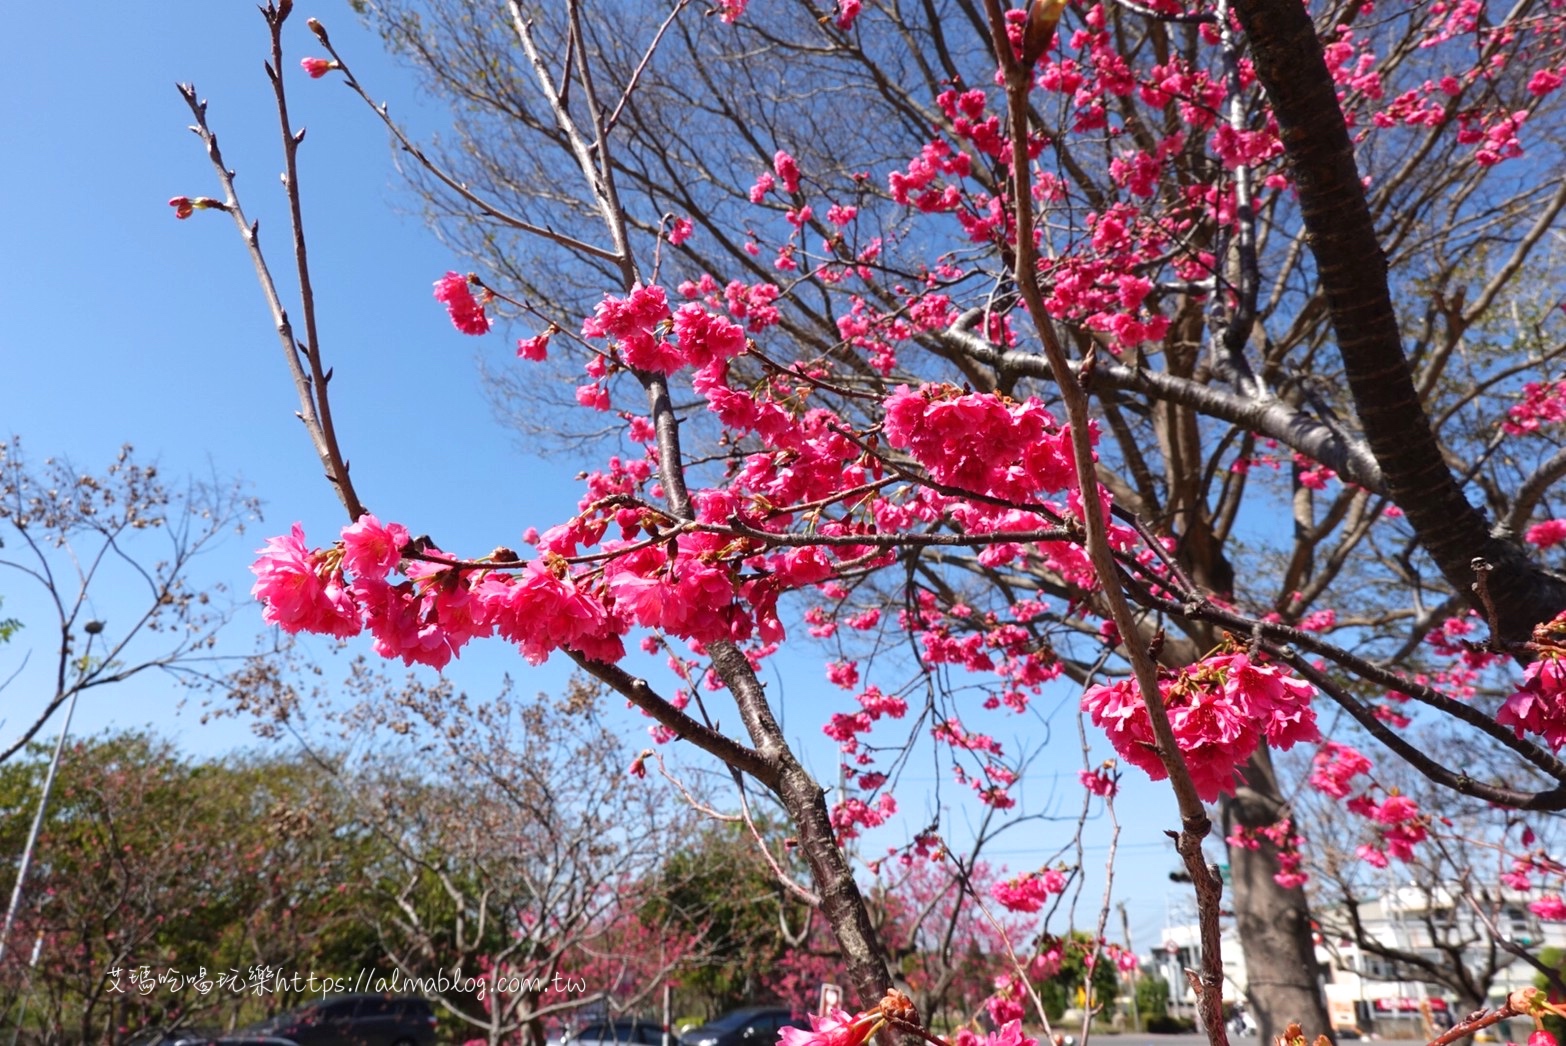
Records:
x=1376, y=992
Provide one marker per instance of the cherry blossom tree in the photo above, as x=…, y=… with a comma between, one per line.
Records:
x=1023, y=364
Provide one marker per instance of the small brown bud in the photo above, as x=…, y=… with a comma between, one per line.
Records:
x=898, y=1007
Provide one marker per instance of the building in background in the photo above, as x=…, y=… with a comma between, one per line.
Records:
x=1382, y=980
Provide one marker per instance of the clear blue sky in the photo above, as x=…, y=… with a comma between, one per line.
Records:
x=121, y=324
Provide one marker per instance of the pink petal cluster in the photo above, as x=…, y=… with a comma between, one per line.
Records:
x=837, y=1028
x=1399, y=823
x=788, y=170
x=731, y=11
x=1009, y=1034
x=1220, y=708
x=317, y=67
x=981, y=442
x=1538, y=706
x=1005, y=1006
x=429, y=617
x=1550, y=907
x=467, y=315
x=536, y=348
x=1029, y=893
x=303, y=590
x=1104, y=781
x=1547, y=534
x=1334, y=766
x=638, y=323
x=1543, y=403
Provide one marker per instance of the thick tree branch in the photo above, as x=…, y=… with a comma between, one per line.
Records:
x=1352, y=268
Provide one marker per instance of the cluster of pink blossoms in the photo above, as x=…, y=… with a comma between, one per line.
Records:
x=980, y=443
x=1335, y=766
x=1399, y=823
x=1030, y=892
x=1538, y=706
x=467, y=314
x=1286, y=844
x=1220, y=708
x=640, y=325
x=430, y=616
x=1543, y=403
x=1104, y=781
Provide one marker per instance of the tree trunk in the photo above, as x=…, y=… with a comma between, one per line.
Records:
x=1352, y=268
x=1274, y=922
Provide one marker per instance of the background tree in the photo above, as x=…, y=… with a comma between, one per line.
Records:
x=153, y=866
x=78, y=538
x=523, y=859
x=717, y=886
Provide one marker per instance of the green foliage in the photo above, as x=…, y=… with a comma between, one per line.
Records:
x=1059, y=992
x=148, y=858
x=1152, y=996
x=1554, y=959
x=9, y=626
x=718, y=886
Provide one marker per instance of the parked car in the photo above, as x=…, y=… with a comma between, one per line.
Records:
x=207, y=1037
x=356, y=1020
x=756, y=1026
x=622, y=1031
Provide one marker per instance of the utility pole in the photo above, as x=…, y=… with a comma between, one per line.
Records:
x=1136, y=971
x=92, y=629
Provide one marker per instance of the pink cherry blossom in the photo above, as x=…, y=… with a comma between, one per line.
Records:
x=536, y=348
x=837, y=1028
x=787, y=169
x=1104, y=781
x=1547, y=534
x=1009, y=1034
x=639, y=325
x=303, y=591
x=371, y=549
x=1220, y=709
x=543, y=609
x=317, y=67
x=1539, y=705
x=847, y=12
x=1550, y=907
x=467, y=315
x=704, y=336
x=1334, y=766
x=1029, y=893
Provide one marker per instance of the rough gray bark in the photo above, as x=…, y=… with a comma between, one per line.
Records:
x=1274, y=922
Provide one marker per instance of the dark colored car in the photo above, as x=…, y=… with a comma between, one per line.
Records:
x=356, y=1020
x=625, y=1031
x=208, y=1037
x=757, y=1026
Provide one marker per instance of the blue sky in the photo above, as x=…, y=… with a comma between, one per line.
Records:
x=121, y=324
